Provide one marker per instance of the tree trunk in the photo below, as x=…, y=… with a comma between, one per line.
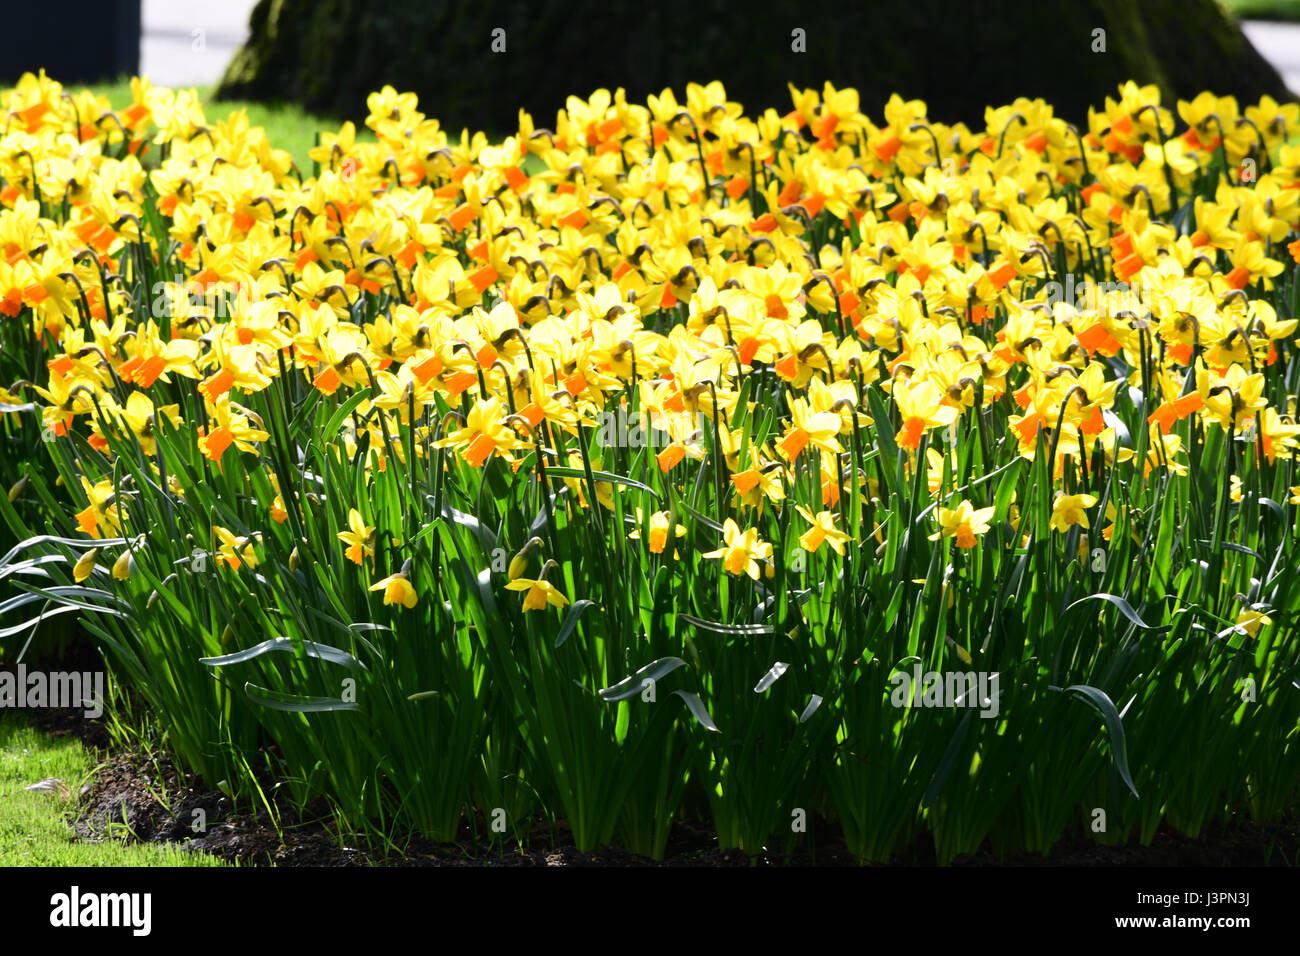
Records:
x=327, y=55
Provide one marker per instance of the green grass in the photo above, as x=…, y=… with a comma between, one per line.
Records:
x=288, y=126
x=34, y=826
x=1287, y=10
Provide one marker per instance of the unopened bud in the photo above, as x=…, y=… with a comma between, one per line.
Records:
x=18, y=488
x=518, y=565
x=123, y=566
x=85, y=565
x=154, y=595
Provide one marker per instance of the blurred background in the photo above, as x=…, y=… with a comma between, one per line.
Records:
x=474, y=64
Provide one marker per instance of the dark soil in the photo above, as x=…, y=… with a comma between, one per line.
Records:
x=143, y=798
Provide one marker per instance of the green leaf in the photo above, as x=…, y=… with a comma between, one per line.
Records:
x=814, y=702
x=571, y=620
x=884, y=437
x=83, y=543
x=486, y=538
x=295, y=703
x=1100, y=701
x=1006, y=488
x=754, y=630
x=703, y=519
x=71, y=595
x=1233, y=546
x=948, y=761
x=560, y=472
x=286, y=645
x=630, y=686
x=771, y=677
x=697, y=708
x=1124, y=608
x=340, y=413
x=33, y=622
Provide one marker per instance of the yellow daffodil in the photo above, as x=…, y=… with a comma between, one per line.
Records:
x=360, y=539
x=123, y=566
x=660, y=528
x=823, y=530
x=235, y=550
x=744, y=551
x=965, y=523
x=1251, y=621
x=921, y=407
x=1071, y=510
x=537, y=594
x=397, y=589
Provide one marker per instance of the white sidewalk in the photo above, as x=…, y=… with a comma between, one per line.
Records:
x=1280, y=45
x=189, y=42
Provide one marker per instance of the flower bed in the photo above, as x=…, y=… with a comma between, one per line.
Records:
x=673, y=462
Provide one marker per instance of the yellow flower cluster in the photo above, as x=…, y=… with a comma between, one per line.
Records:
x=670, y=249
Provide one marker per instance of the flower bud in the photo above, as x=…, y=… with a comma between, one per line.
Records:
x=518, y=565
x=85, y=565
x=123, y=566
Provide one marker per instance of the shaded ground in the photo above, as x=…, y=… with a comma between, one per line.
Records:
x=142, y=798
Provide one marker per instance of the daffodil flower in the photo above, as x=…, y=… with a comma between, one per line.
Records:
x=823, y=530
x=1251, y=621
x=537, y=594
x=921, y=406
x=235, y=550
x=360, y=539
x=485, y=434
x=659, y=530
x=123, y=566
x=102, y=514
x=397, y=589
x=964, y=523
x=229, y=426
x=1071, y=510
x=743, y=551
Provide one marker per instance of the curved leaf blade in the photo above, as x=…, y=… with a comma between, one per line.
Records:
x=698, y=710
x=1124, y=608
x=753, y=630
x=571, y=620
x=814, y=702
x=630, y=686
x=295, y=703
x=286, y=645
x=1100, y=701
x=948, y=761
x=771, y=677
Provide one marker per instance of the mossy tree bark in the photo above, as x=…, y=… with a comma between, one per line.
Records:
x=329, y=54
